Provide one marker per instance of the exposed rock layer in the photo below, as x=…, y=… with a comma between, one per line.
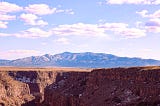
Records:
x=12, y=92
x=25, y=86
x=136, y=86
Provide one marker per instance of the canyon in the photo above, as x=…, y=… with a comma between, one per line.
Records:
x=130, y=86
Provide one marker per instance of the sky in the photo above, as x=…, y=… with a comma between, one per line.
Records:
x=121, y=27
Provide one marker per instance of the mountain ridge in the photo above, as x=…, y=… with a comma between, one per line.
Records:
x=86, y=60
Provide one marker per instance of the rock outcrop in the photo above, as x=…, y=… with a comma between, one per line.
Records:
x=137, y=86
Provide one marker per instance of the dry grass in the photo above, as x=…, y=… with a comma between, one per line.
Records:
x=151, y=67
x=65, y=69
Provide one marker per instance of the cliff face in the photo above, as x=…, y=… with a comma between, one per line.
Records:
x=13, y=93
x=20, y=87
x=36, y=81
x=137, y=86
x=25, y=86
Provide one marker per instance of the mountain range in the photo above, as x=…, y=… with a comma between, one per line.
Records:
x=82, y=60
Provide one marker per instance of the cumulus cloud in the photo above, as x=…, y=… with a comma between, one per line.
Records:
x=30, y=13
x=40, y=9
x=14, y=54
x=97, y=30
x=3, y=24
x=146, y=2
x=6, y=7
x=32, y=19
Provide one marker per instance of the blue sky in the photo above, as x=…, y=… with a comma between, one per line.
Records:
x=120, y=27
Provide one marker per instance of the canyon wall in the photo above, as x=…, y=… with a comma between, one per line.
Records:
x=20, y=87
x=25, y=86
x=12, y=92
x=137, y=86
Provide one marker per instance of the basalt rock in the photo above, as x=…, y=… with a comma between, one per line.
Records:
x=36, y=81
x=24, y=88
x=12, y=92
x=137, y=86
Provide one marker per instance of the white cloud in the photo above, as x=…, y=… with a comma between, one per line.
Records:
x=33, y=33
x=40, y=9
x=7, y=17
x=95, y=30
x=139, y=24
x=148, y=2
x=14, y=54
x=3, y=24
x=69, y=11
x=79, y=29
x=43, y=9
x=153, y=25
x=131, y=32
x=29, y=33
x=41, y=23
x=63, y=40
x=112, y=26
x=29, y=18
x=122, y=29
x=6, y=7
x=32, y=19
x=144, y=13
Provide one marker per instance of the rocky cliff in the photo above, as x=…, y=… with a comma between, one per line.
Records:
x=12, y=92
x=25, y=86
x=137, y=86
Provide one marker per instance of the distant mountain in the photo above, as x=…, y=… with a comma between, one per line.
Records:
x=86, y=60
